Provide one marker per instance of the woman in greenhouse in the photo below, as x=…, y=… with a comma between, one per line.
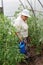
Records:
x=22, y=31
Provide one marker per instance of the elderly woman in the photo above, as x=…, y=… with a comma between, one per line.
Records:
x=22, y=30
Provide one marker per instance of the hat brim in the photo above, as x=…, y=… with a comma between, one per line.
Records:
x=25, y=15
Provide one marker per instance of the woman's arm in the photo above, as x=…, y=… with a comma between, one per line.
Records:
x=18, y=35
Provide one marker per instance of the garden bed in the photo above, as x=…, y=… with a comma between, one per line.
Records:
x=36, y=59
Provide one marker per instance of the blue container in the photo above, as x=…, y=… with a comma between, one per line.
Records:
x=22, y=47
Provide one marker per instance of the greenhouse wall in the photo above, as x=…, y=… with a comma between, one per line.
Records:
x=10, y=6
x=0, y=4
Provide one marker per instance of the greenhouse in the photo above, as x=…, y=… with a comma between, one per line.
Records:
x=21, y=32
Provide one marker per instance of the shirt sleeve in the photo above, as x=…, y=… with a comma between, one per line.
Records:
x=17, y=26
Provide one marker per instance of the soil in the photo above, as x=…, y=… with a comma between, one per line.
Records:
x=35, y=59
x=39, y=61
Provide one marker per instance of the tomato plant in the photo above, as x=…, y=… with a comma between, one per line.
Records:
x=35, y=32
x=9, y=51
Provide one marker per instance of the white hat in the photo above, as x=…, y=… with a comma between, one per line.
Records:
x=25, y=12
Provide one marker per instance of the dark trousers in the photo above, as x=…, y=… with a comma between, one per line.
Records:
x=27, y=47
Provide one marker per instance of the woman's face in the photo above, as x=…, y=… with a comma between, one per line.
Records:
x=24, y=17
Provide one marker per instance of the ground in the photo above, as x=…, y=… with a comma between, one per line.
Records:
x=35, y=59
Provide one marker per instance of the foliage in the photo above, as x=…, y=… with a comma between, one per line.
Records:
x=9, y=51
x=35, y=32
